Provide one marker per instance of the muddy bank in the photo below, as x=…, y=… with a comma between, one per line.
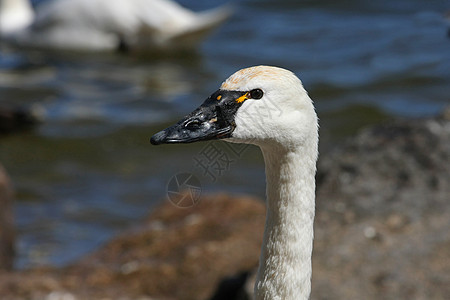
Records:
x=382, y=231
x=174, y=254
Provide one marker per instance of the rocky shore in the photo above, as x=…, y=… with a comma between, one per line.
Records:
x=174, y=254
x=383, y=214
x=382, y=231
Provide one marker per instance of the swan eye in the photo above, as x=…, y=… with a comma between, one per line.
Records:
x=256, y=94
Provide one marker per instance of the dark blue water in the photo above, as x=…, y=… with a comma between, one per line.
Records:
x=89, y=171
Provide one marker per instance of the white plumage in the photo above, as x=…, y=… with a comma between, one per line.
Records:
x=106, y=24
x=283, y=123
x=268, y=107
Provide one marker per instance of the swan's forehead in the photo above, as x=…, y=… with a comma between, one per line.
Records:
x=252, y=77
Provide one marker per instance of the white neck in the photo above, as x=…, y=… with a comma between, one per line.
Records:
x=285, y=264
x=15, y=15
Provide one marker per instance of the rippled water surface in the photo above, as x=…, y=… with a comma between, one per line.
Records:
x=88, y=171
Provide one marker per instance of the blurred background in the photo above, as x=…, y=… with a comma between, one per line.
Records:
x=88, y=170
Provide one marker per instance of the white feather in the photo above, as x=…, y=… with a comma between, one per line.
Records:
x=283, y=123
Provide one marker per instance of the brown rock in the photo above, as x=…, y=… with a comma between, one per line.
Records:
x=175, y=254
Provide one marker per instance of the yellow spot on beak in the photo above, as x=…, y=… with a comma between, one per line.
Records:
x=219, y=97
x=242, y=98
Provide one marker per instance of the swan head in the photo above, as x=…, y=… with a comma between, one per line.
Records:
x=259, y=105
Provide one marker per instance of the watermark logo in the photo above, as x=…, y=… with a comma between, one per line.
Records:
x=216, y=158
x=184, y=190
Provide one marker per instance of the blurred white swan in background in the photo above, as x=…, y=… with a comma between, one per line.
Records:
x=106, y=24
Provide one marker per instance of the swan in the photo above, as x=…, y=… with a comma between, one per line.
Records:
x=106, y=25
x=268, y=107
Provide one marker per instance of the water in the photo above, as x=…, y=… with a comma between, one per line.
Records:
x=89, y=172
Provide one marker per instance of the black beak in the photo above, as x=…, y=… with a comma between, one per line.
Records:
x=214, y=119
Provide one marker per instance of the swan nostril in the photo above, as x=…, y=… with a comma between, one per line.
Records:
x=192, y=124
